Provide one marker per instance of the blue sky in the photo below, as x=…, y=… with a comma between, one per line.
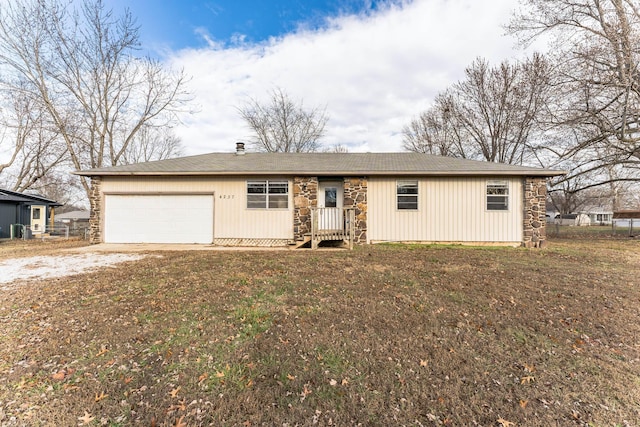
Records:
x=178, y=24
x=373, y=64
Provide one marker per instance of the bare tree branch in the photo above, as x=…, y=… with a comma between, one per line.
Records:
x=79, y=65
x=489, y=115
x=283, y=125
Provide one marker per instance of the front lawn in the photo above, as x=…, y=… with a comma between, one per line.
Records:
x=381, y=335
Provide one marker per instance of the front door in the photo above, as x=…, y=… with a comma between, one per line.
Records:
x=330, y=202
x=38, y=219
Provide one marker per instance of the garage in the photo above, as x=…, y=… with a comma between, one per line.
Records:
x=166, y=218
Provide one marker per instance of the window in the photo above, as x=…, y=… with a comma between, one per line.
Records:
x=36, y=213
x=497, y=195
x=407, y=195
x=267, y=194
x=330, y=197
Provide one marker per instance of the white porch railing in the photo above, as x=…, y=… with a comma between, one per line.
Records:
x=332, y=224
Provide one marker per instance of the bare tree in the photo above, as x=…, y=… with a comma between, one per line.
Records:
x=153, y=143
x=337, y=148
x=79, y=65
x=489, y=115
x=35, y=150
x=434, y=131
x=283, y=125
x=596, y=46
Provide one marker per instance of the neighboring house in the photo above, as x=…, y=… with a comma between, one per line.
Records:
x=573, y=219
x=586, y=216
x=289, y=198
x=77, y=221
x=600, y=216
x=34, y=212
x=626, y=218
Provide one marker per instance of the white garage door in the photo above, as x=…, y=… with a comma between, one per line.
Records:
x=158, y=219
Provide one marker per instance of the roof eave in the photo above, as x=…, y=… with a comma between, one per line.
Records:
x=542, y=172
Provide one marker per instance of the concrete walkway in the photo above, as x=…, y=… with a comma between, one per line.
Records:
x=156, y=247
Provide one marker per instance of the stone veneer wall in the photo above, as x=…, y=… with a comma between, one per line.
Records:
x=355, y=196
x=95, y=202
x=305, y=196
x=535, y=195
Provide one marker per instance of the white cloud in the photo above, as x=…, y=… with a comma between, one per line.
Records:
x=373, y=73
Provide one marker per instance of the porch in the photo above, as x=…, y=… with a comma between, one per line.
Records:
x=330, y=224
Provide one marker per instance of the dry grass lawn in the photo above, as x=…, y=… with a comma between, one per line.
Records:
x=382, y=335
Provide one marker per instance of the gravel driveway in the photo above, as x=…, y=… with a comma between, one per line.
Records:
x=44, y=267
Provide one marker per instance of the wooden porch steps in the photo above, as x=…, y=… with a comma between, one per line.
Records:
x=336, y=226
x=305, y=241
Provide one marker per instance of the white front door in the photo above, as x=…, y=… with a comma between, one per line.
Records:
x=330, y=200
x=38, y=219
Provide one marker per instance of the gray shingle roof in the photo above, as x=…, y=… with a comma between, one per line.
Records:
x=16, y=197
x=369, y=164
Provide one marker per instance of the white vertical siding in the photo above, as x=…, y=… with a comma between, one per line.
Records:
x=232, y=219
x=449, y=210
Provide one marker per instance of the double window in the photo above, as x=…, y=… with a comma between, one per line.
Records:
x=407, y=195
x=267, y=194
x=497, y=195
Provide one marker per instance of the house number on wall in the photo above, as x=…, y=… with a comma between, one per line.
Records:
x=227, y=196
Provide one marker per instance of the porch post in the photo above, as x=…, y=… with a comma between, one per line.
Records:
x=355, y=196
x=305, y=197
x=534, y=233
x=95, y=202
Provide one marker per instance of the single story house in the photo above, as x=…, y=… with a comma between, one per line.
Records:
x=267, y=199
x=600, y=216
x=626, y=218
x=579, y=219
x=32, y=211
x=77, y=221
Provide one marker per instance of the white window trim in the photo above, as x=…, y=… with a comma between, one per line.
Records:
x=266, y=194
x=417, y=195
x=507, y=185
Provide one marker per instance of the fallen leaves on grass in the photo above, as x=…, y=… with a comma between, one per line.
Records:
x=523, y=403
x=62, y=374
x=59, y=376
x=305, y=392
x=86, y=418
x=175, y=391
x=527, y=379
x=505, y=423
x=100, y=396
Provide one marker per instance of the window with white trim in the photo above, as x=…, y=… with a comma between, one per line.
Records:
x=267, y=194
x=497, y=195
x=407, y=195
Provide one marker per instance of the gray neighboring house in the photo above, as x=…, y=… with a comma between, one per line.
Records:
x=270, y=199
x=77, y=221
x=32, y=211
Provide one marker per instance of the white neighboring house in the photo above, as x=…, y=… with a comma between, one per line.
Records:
x=579, y=219
x=600, y=217
x=280, y=199
x=597, y=215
